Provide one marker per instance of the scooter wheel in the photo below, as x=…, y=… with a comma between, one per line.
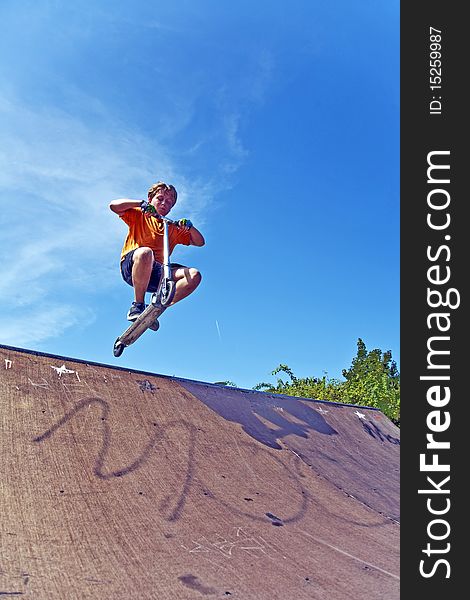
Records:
x=118, y=348
x=168, y=293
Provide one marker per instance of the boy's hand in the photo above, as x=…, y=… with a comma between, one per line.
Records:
x=147, y=208
x=184, y=223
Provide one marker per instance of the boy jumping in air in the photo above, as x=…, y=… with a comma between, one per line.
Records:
x=142, y=253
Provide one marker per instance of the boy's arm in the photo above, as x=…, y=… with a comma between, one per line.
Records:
x=197, y=239
x=122, y=204
x=195, y=236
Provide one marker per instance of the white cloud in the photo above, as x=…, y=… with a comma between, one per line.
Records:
x=57, y=177
x=30, y=326
x=58, y=172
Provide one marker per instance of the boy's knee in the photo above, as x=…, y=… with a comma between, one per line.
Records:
x=195, y=275
x=143, y=254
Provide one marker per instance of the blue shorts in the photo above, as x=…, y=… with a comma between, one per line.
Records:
x=126, y=271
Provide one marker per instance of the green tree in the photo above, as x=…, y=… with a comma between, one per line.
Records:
x=372, y=380
x=307, y=387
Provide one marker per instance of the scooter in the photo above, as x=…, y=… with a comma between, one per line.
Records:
x=159, y=301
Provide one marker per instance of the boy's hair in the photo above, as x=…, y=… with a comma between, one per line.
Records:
x=160, y=184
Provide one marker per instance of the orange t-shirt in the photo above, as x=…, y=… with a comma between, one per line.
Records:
x=145, y=230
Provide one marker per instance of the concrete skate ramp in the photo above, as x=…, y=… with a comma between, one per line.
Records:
x=125, y=484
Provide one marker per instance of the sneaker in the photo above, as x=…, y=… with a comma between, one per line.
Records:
x=154, y=326
x=138, y=308
x=135, y=310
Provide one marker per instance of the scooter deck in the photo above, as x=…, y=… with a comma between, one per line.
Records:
x=141, y=324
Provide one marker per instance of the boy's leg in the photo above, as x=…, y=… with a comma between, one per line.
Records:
x=187, y=279
x=141, y=272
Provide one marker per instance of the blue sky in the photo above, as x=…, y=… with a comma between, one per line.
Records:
x=277, y=122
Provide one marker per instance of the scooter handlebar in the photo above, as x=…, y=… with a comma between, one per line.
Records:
x=166, y=219
x=170, y=221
